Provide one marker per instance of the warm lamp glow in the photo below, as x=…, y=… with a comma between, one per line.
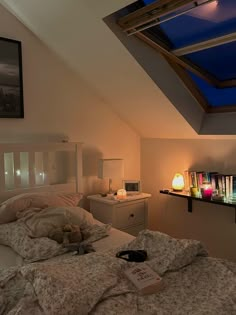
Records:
x=206, y=191
x=121, y=194
x=178, y=182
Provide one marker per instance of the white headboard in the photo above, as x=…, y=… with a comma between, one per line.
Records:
x=29, y=167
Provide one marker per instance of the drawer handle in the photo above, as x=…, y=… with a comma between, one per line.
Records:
x=131, y=215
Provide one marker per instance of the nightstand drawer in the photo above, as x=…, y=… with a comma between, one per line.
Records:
x=131, y=214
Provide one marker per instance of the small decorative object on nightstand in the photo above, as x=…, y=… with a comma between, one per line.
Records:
x=129, y=215
x=121, y=194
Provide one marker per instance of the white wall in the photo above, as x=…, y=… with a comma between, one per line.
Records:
x=213, y=224
x=59, y=104
x=109, y=66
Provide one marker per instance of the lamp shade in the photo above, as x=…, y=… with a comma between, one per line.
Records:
x=111, y=168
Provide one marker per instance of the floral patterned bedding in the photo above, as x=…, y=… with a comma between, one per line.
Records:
x=28, y=236
x=193, y=283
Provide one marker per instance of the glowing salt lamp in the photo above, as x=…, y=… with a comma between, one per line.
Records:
x=178, y=182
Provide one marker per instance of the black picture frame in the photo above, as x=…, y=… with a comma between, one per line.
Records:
x=11, y=79
x=132, y=186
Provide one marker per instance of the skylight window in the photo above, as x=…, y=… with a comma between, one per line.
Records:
x=214, y=96
x=200, y=37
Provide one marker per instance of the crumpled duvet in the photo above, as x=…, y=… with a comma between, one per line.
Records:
x=95, y=283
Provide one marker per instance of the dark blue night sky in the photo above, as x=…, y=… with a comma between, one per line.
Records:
x=219, y=61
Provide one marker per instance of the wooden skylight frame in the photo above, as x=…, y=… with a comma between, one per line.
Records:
x=151, y=13
x=155, y=43
x=139, y=19
x=213, y=42
x=196, y=93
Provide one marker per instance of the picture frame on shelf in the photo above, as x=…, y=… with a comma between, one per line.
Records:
x=132, y=187
x=11, y=79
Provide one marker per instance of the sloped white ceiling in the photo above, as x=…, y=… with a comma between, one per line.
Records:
x=75, y=30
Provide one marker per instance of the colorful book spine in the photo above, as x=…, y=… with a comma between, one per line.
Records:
x=186, y=180
x=193, y=179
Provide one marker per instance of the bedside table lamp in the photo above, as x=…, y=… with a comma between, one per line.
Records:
x=112, y=169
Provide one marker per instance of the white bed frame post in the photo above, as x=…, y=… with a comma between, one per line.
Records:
x=2, y=173
x=79, y=168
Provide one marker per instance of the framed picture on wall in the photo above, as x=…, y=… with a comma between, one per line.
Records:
x=11, y=80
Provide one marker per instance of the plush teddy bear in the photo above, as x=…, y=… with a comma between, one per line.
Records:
x=81, y=249
x=66, y=234
x=71, y=238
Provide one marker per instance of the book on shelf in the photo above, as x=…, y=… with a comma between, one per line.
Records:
x=226, y=185
x=190, y=179
x=198, y=178
x=186, y=180
x=193, y=179
x=213, y=180
x=230, y=187
x=233, y=183
x=222, y=184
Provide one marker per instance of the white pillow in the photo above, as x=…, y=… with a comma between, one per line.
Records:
x=28, y=235
x=40, y=222
x=41, y=200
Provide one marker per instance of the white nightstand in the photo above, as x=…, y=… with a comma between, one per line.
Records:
x=129, y=215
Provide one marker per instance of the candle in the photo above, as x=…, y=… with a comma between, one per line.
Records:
x=194, y=191
x=206, y=191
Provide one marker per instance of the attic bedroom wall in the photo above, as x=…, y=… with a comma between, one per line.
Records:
x=213, y=224
x=58, y=104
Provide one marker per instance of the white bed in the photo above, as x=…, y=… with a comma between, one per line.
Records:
x=117, y=238
x=44, y=167
x=95, y=283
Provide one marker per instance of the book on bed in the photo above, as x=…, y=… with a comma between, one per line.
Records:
x=146, y=280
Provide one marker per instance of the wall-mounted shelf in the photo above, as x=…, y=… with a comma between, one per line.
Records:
x=190, y=199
